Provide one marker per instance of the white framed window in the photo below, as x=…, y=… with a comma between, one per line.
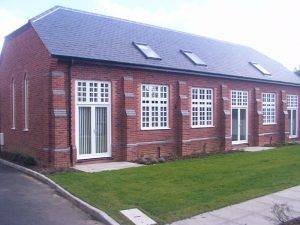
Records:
x=194, y=58
x=260, y=68
x=292, y=102
x=93, y=119
x=269, y=108
x=93, y=92
x=13, y=104
x=239, y=98
x=202, y=107
x=292, y=108
x=147, y=51
x=26, y=103
x=154, y=107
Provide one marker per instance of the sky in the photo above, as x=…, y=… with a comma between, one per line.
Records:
x=270, y=26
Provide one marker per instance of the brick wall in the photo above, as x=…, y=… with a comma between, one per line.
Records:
x=47, y=138
x=130, y=142
x=22, y=54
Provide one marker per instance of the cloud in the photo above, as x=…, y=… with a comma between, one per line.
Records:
x=270, y=26
x=9, y=21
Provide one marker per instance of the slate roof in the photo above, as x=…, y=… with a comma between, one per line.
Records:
x=72, y=33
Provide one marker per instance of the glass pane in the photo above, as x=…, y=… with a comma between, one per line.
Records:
x=290, y=121
x=101, y=129
x=243, y=125
x=294, y=123
x=235, y=124
x=84, y=130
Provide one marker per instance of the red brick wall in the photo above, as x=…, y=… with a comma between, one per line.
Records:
x=22, y=54
x=47, y=138
x=130, y=142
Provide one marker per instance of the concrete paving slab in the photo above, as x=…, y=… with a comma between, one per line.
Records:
x=99, y=167
x=228, y=223
x=254, y=206
x=297, y=188
x=255, y=211
x=273, y=199
x=230, y=212
x=203, y=219
x=138, y=217
x=253, y=219
x=257, y=149
x=289, y=194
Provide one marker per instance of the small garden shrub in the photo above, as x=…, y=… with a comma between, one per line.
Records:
x=19, y=158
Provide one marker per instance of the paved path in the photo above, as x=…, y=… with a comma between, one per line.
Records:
x=26, y=201
x=253, y=212
x=104, y=166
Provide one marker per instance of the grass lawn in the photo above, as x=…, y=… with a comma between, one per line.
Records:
x=180, y=189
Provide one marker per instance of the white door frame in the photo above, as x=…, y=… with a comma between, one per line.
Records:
x=239, y=107
x=93, y=106
x=291, y=121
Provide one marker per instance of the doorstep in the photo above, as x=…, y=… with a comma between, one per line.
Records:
x=256, y=149
x=104, y=166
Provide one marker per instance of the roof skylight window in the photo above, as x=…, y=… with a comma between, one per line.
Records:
x=260, y=68
x=194, y=58
x=147, y=51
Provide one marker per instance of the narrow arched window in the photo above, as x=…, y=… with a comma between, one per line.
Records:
x=26, y=102
x=13, y=90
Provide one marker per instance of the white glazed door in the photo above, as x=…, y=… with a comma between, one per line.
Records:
x=239, y=117
x=93, y=119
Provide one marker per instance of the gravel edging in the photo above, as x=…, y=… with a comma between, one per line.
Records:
x=91, y=210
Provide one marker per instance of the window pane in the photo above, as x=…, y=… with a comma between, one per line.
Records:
x=235, y=124
x=84, y=130
x=101, y=129
x=243, y=126
x=147, y=51
x=294, y=124
x=194, y=58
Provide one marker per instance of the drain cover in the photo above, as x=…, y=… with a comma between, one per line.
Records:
x=138, y=217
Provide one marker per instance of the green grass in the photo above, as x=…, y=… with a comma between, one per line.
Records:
x=176, y=190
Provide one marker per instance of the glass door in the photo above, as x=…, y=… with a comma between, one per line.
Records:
x=293, y=123
x=292, y=106
x=93, y=119
x=239, y=117
x=239, y=126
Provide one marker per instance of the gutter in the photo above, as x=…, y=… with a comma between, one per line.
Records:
x=69, y=111
x=169, y=70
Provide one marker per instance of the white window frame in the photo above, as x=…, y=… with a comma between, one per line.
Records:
x=267, y=105
x=13, y=104
x=202, y=103
x=26, y=96
x=106, y=102
x=149, y=102
x=293, y=104
x=240, y=101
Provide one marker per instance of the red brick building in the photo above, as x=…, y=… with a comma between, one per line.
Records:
x=78, y=86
